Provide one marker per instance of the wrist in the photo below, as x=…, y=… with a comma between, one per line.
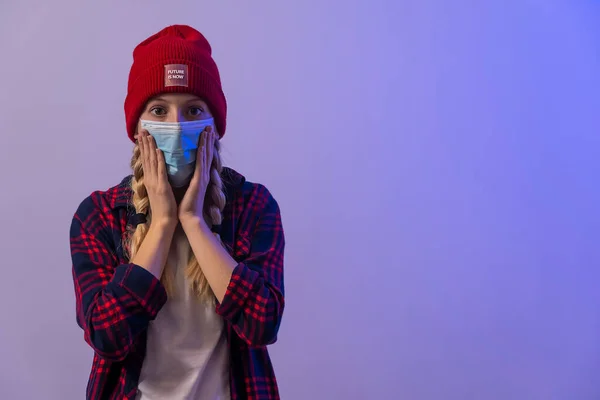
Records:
x=193, y=221
x=168, y=224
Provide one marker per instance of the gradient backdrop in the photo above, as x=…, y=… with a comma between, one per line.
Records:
x=437, y=164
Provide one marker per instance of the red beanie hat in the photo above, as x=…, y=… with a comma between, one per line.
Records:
x=175, y=60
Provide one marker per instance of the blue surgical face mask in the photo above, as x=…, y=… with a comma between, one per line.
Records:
x=179, y=143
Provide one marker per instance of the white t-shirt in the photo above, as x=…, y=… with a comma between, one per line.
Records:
x=187, y=356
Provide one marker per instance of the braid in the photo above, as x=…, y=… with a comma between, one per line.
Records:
x=140, y=202
x=214, y=204
x=215, y=188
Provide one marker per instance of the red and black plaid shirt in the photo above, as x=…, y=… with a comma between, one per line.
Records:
x=116, y=299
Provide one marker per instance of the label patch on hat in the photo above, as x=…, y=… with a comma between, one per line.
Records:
x=176, y=75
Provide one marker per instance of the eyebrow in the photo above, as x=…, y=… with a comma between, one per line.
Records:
x=191, y=100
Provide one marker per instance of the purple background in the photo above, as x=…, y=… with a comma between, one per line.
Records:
x=437, y=164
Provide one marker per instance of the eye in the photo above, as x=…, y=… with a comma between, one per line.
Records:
x=158, y=111
x=196, y=111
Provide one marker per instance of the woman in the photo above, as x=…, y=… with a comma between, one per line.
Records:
x=178, y=270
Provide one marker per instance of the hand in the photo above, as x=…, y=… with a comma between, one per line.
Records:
x=160, y=194
x=192, y=204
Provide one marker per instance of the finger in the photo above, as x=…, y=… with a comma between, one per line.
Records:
x=143, y=152
x=202, y=139
x=199, y=162
x=205, y=149
x=206, y=163
x=152, y=156
x=205, y=159
x=161, y=166
x=148, y=159
x=205, y=135
x=139, y=133
x=211, y=149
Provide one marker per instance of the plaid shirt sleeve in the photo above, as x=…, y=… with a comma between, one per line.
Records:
x=254, y=299
x=114, y=303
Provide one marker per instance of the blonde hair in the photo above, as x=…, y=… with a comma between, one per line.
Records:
x=213, y=212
